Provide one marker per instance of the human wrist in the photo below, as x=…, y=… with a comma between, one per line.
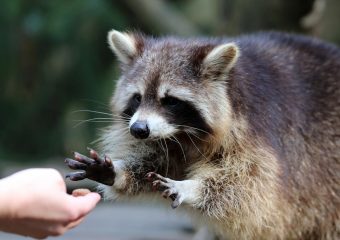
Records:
x=5, y=203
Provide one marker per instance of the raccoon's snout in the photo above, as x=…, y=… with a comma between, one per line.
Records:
x=140, y=130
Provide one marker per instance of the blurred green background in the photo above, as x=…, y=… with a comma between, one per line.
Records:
x=54, y=59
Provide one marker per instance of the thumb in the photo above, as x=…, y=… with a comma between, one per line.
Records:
x=84, y=204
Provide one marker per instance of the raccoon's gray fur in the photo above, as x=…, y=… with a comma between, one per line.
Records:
x=246, y=131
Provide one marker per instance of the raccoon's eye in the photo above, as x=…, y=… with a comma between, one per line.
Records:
x=137, y=98
x=170, y=101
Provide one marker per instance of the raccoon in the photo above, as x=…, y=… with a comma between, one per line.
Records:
x=243, y=133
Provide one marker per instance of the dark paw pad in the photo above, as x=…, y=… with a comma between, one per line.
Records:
x=94, y=167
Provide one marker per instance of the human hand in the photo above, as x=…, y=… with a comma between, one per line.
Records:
x=34, y=203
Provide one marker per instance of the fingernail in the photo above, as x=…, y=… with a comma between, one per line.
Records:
x=108, y=160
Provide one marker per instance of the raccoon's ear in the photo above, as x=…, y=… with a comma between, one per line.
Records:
x=126, y=46
x=220, y=60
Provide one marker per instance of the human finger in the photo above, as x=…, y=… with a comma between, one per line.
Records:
x=80, y=192
x=74, y=223
x=84, y=204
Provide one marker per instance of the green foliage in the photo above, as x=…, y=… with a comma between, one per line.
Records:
x=54, y=53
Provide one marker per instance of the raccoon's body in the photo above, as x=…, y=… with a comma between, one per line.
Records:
x=245, y=130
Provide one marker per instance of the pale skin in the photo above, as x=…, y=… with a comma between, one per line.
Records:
x=34, y=203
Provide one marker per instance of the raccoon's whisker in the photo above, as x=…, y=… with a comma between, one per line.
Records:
x=95, y=141
x=160, y=144
x=195, y=135
x=92, y=111
x=165, y=151
x=81, y=123
x=167, y=157
x=100, y=119
x=115, y=116
x=122, y=117
x=196, y=147
x=126, y=129
x=124, y=133
x=119, y=118
x=94, y=121
x=95, y=101
x=173, y=138
x=126, y=116
x=104, y=113
x=196, y=129
x=159, y=141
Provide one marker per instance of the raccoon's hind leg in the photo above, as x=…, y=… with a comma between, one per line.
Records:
x=95, y=168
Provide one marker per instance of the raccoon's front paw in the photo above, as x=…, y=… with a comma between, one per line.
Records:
x=167, y=186
x=186, y=191
x=95, y=168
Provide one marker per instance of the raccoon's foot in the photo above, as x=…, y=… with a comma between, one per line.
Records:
x=95, y=168
x=179, y=192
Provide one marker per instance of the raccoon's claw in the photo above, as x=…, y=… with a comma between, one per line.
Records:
x=151, y=176
x=167, y=187
x=75, y=165
x=76, y=176
x=95, y=168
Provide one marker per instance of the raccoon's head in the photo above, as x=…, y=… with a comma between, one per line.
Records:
x=170, y=86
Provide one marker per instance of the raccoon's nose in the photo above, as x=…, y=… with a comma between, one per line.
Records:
x=140, y=130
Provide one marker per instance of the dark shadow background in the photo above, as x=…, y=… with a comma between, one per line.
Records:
x=54, y=59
